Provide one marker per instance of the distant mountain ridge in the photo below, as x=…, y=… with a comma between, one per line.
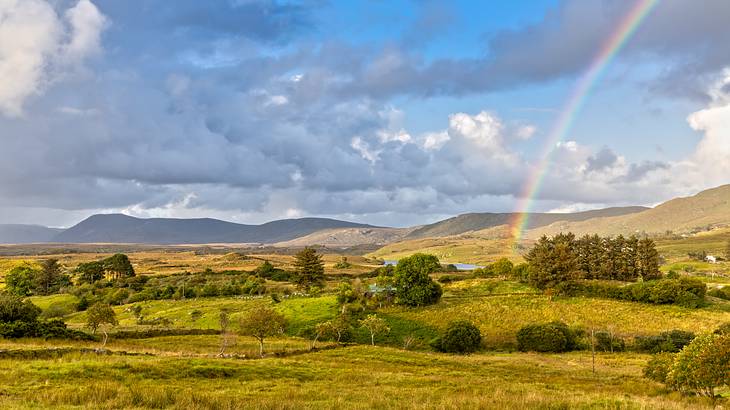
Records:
x=118, y=228
x=705, y=210
x=478, y=221
x=17, y=233
x=700, y=212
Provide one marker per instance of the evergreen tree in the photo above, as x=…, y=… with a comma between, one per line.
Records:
x=552, y=261
x=647, y=260
x=48, y=278
x=309, y=269
x=118, y=266
x=630, y=259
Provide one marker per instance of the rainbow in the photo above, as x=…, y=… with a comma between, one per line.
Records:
x=572, y=107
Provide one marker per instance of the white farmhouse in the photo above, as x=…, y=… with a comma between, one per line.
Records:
x=711, y=259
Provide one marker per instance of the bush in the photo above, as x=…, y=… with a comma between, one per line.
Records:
x=701, y=366
x=460, y=337
x=547, y=337
x=14, y=309
x=659, y=366
x=687, y=292
x=606, y=342
x=672, y=341
x=722, y=293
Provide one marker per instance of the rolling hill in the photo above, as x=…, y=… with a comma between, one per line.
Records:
x=478, y=221
x=117, y=228
x=19, y=234
x=701, y=212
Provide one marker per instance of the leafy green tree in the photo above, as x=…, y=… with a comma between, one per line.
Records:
x=502, y=267
x=262, y=322
x=340, y=327
x=460, y=336
x=14, y=309
x=118, y=266
x=21, y=280
x=414, y=286
x=265, y=270
x=99, y=316
x=702, y=366
x=90, y=272
x=48, y=278
x=375, y=326
x=552, y=261
x=309, y=269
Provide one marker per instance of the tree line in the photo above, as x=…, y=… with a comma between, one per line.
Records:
x=562, y=258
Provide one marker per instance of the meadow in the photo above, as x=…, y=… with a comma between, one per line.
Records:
x=178, y=370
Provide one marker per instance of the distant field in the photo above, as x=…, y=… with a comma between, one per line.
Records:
x=466, y=248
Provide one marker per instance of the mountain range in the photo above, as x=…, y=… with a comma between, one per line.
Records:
x=707, y=209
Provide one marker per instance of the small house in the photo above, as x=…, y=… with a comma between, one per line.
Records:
x=711, y=259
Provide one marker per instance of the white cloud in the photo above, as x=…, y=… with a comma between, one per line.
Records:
x=38, y=46
x=712, y=155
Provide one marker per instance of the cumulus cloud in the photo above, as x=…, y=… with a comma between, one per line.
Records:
x=37, y=45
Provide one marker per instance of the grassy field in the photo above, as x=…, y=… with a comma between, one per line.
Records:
x=185, y=372
x=352, y=377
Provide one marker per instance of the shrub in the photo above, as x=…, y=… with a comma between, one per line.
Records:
x=502, y=267
x=547, y=337
x=671, y=341
x=14, y=309
x=606, y=342
x=659, y=366
x=53, y=329
x=702, y=366
x=722, y=293
x=687, y=292
x=460, y=337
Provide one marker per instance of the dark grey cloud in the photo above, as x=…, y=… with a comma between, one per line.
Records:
x=638, y=171
x=603, y=159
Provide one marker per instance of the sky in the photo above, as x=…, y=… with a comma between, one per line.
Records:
x=393, y=113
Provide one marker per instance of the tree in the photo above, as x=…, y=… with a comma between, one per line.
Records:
x=375, y=326
x=309, y=269
x=320, y=330
x=702, y=366
x=265, y=270
x=502, y=267
x=262, y=322
x=118, y=266
x=552, y=261
x=647, y=259
x=90, y=272
x=337, y=327
x=460, y=336
x=48, y=277
x=224, y=321
x=14, y=309
x=20, y=280
x=99, y=315
x=414, y=286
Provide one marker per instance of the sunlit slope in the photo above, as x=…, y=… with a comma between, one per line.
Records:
x=707, y=209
